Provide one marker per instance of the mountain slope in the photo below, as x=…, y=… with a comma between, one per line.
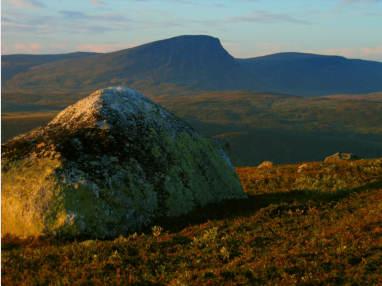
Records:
x=376, y=96
x=314, y=75
x=187, y=65
x=14, y=64
x=198, y=61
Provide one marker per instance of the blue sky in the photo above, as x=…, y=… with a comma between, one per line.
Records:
x=246, y=28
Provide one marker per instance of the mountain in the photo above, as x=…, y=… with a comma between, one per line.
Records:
x=14, y=64
x=198, y=61
x=315, y=75
x=188, y=65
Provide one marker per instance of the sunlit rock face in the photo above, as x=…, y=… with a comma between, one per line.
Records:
x=108, y=165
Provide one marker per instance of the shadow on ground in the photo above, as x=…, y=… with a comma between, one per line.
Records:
x=236, y=208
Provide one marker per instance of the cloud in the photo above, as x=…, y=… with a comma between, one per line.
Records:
x=266, y=18
x=210, y=23
x=24, y=3
x=227, y=43
x=354, y=1
x=28, y=49
x=154, y=11
x=184, y=2
x=83, y=28
x=74, y=15
x=4, y=50
x=17, y=22
x=96, y=2
x=58, y=48
x=7, y=20
x=371, y=14
x=12, y=28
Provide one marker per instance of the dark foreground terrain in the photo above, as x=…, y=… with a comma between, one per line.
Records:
x=322, y=226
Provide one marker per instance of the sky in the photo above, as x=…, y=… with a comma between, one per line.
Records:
x=246, y=28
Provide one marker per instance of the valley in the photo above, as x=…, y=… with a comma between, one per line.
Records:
x=258, y=126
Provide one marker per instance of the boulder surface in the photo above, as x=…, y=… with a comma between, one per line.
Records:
x=108, y=165
x=266, y=165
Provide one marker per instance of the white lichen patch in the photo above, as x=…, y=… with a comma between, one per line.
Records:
x=109, y=164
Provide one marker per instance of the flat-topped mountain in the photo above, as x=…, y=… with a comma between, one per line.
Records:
x=187, y=65
x=199, y=61
x=314, y=75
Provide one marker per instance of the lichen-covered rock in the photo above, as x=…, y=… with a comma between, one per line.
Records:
x=266, y=165
x=108, y=165
x=338, y=157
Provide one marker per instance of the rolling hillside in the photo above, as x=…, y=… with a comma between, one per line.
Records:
x=376, y=96
x=199, y=62
x=314, y=75
x=188, y=65
x=12, y=65
x=264, y=110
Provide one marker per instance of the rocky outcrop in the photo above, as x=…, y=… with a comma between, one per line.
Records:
x=302, y=168
x=338, y=157
x=108, y=165
x=266, y=165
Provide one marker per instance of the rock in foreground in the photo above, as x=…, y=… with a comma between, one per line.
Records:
x=108, y=165
x=338, y=157
x=266, y=165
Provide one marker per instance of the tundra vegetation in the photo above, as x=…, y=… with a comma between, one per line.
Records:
x=319, y=226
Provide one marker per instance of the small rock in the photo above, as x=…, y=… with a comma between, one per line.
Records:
x=303, y=166
x=87, y=243
x=266, y=165
x=338, y=157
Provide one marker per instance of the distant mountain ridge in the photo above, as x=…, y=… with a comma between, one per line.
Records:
x=198, y=61
x=314, y=75
x=14, y=64
x=187, y=65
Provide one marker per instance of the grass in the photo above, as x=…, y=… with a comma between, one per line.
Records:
x=322, y=226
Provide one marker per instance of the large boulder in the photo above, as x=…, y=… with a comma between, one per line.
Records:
x=108, y=165
x=340, y=157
